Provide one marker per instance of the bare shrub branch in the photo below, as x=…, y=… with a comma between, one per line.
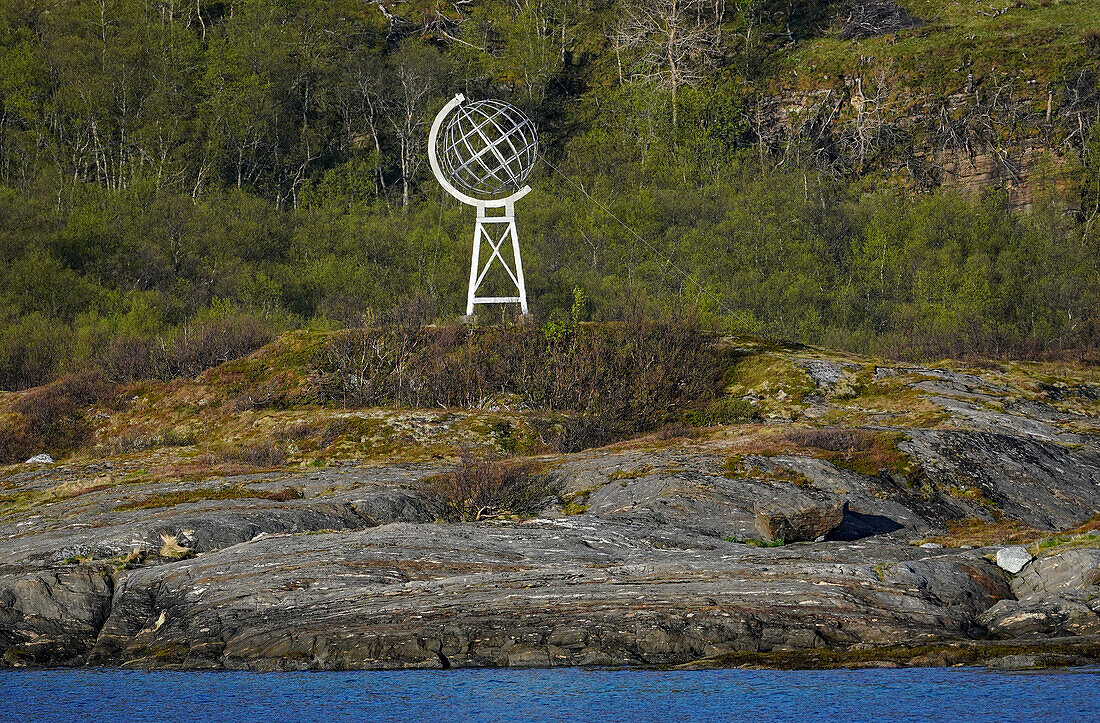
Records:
x=487, y=488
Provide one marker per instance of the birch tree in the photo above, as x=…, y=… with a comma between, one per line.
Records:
x=670, y=43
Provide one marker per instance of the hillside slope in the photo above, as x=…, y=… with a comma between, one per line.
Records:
x=945, y=93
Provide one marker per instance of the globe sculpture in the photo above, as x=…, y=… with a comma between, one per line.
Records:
x=482, y=157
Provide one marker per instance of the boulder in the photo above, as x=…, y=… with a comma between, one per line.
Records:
x=797, y=520
x=40, y=459
x=1013, y=558
x=54, y=615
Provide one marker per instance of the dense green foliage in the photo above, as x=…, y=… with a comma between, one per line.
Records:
x=170, y=171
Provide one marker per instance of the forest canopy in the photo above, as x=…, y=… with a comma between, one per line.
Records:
x=223, y=171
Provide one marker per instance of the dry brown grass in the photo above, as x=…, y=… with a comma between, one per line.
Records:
x=24, y=500
x=858, y=450
x=172, y=549
x=980, y=533
x=231, y=492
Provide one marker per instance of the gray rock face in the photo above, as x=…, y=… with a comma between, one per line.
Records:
x=1072, y=571
x=1043, y=484
x=824, y=373
x=1013, y=558
x=388, y=505
x=49, y=617
x=1056, y=597
x=542, y=593
x=801, y=520
x=1042, y=616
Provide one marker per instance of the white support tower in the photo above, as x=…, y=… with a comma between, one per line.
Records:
x=489, y=229
x=490, y=148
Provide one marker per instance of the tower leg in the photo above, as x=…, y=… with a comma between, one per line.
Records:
x=479, y=229
x=520, y=285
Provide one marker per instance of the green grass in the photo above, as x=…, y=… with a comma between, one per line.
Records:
x=624, y=474
x=736, y=467
x=754, y=542
x=1061, y=543
x=24, y=500
x=857, y=450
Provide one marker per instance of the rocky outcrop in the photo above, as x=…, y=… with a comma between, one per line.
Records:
x=649, y=574
x=564, y=593
x=1012, y=559
x=1045, y=484
x=49, y=618
x=652, y=555
x=1042, y=616
x=1072, y=571
x=1055, y=595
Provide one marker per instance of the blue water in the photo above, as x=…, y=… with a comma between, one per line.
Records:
x=921, y=694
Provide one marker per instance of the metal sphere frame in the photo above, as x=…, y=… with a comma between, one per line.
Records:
x=488, y=147
x=514, y=149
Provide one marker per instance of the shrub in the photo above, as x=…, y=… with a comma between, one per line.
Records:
x=187, y=351
x=723, y=411
x=232, y=492
x=31, y=351
x=605, y=381
x=54, y=415
x=858, y=450
x=262, y=454
x=1092, y=40
x=140, y=439
x=197, y=347
x=487, y=488
x=869, y=18
x=296, y=432
x=335, y=429
x=128, y=358
x=16, y=443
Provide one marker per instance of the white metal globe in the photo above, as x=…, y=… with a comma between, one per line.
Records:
x=488, y=148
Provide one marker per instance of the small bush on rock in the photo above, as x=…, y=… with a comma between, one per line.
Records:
x=487, y=488
x=262, y=454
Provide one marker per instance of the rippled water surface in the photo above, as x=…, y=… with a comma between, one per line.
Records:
x=925, y=694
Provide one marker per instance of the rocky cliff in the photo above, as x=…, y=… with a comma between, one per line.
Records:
x=854, y=518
